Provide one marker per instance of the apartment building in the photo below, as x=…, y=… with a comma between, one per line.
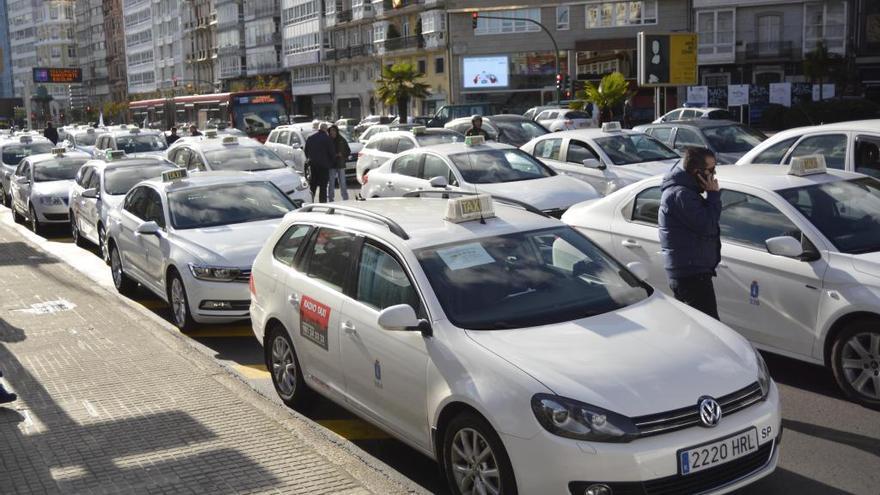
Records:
x=199, y=41
x=153, y=48
x=867, y=47
x=91, y=46
x=230, y=39
x=6, y=90
x=304, y=44
x=352, y=57
x=114, y=36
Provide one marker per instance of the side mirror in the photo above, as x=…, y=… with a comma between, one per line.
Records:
x=593, y=163
x=402, y=317
x=147, y=228
x=90, y=193
x=439, y=182
x=784, y=246
x=638, y=269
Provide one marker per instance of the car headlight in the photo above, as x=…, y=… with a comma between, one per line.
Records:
x=51, y=200
x=763, y=374
x=572, y=419
x=303, y=184
x=214, y=273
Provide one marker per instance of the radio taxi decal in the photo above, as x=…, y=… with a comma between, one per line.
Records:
x=314, y=319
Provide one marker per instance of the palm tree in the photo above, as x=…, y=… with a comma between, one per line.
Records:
x=398, y=84
x=820, y=64
x=611, y=92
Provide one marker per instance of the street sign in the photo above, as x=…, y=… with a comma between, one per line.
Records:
x=57, y=75
x=668, y=59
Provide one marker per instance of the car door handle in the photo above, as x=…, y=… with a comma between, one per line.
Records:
x=349, y=328
x=630, y=243
x=293, y=299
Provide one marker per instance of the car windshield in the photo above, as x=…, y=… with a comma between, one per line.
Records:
x=527, y=279
x=440, y=137
x=248, y=158
x=15, y=153
x=626, y=149
x=846, y=212
x=227, y=204
x=141, y=143
x=120, y=180
x=520, y=132
x=85, y=139
x=57, y=169
x=493, y=166
x=733, y=138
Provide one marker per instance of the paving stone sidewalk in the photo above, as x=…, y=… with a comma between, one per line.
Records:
x=112, y=402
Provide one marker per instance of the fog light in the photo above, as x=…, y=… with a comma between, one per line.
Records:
x=216, y=305
x=598, y=490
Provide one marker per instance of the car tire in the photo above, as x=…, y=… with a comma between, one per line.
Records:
x=179, y=302
x=33, y=220
x=74, y=232
x=16, y=216
x=283, y=365
x=855, y=362
x=464, y=468
x=102, y=244
x=7, y=198
x=124, y=285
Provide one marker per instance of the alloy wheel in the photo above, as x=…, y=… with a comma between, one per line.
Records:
x=116, y=267
x=861, y=363
x=102, y=244
x=474, y=465
x=283, y=367
x=178, y=301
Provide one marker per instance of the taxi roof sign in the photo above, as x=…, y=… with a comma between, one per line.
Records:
x=469, y=208
x=807, y=165
x=174, y=174
x=419, y=129
x=25, y=139
x=115, y=154
x=230, y=139
x=474, y=140
x=611, y=127
x=211, y=133
x=58, y=151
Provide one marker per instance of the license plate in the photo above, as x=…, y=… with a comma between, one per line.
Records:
x=695, y=459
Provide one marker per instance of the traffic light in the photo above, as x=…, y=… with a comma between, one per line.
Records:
x=559, y=82
x=566, y=85
x=474, y=18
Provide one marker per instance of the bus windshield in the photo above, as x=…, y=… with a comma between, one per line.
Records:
x=258, y=114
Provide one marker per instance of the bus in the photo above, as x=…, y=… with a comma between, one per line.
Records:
x=255, y=113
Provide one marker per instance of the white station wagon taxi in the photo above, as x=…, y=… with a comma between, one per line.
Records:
x=496, y=339
x=192, y=240
x=800, y=260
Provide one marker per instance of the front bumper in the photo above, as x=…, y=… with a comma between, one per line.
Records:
x=549, y=464
x=200, y=291
x=54, y=213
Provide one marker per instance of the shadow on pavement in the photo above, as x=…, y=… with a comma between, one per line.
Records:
x=802, y=375
x=868, y=444
x=785, y=481
x=11, y=253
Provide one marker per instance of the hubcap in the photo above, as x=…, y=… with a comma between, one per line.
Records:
x=116, y=268
x=178, y=301
x=473, y=464
x=861, y=363
x=283, y=367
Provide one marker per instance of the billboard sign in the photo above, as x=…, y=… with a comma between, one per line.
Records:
x=57, y=75
x=485, y=72
x=667, y=59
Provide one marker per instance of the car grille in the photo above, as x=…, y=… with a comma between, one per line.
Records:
x=686, y=417
x=555, y=213
x=243, y=276
x=55, y=217
x=703, y=481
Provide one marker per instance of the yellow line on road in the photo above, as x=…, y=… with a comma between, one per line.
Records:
x=353, y=429
x=252, y=371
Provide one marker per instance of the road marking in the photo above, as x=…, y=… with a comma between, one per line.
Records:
x=353, y=429
x=252, y=371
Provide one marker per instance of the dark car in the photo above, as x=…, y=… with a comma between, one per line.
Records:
x=516, y=130
x=727, y=139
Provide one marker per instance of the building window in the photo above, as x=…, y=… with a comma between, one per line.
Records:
x=512, y=25
x=56, y=52
x=618, y=14
x=825, y=22
x=379, y=32
x=71, y=51
x=562, y=18
x=433, y=21
x=439, y=65
x=423, y=66
x=716, y=79
x=769, y=33
x=341, y=76
x=715, y=30
x=355, y=75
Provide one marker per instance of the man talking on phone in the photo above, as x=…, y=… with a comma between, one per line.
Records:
x=690, y=209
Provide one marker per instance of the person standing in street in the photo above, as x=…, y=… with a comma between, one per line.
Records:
x=172, y=137
x=477, y=128
x=194, y=130
x=320, y=156
x=51, y=133
x=689, y=229
x=337, y=173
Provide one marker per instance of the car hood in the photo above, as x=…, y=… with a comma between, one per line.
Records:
x=651, y=357
x=228, y=245
x=728, y=158
x=648, y=169
x=110, y=201
x=160, y=154
x=867, y=263
x=287, y=179
x=547, y=193
x=60, y=188
x=355, y=146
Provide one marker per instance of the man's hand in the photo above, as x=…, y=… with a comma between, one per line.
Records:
x=710, y=184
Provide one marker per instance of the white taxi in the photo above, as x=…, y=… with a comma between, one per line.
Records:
x=608, y=158
x=81, y=139
x=192, y=240
x=495, y=339
x=100, y=186
x=478, y=166
x=381, y=147
x=40, y=187
x=13, y=150
x=133, y=141
x=230, y=153
x=800, y=261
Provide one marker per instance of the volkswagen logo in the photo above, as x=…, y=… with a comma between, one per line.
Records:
x=710, y=411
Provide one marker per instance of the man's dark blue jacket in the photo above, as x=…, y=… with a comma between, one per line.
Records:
x=320, y=150
x=689, y=232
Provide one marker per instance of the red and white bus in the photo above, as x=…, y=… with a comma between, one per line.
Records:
x=253, y=112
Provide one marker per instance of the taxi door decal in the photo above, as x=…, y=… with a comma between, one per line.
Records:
x=314, y=318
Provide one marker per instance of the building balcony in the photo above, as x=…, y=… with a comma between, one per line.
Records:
x=260, y=11
x=769, y=50
x=264, y=68
x=435, y=40
x=229, y=23
x=264, y=40
x=231, y=72
x=231, y=49
x=400, y=44
x=390, y=7
x=348, y=52
x=361, y=12
x=338, y=17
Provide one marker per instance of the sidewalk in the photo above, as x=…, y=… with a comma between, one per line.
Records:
x=110, y=401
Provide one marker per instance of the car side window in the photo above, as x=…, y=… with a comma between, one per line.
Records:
x=388, y=145
x=647, y=206
x=382, y=282
x=94, y=181
x=578, y=152
x=868, y=155
x=87, y=173
x=153, y=208
x=832, y=146
x=80, y=176
x=673, y=115
x=283, y=137
x=195, y=162
x=688, y=114
x=404, y=144
x=662, y=134
x=135, y=202
x=548, y=148
x=288, y=245
x=330, y=257
x=750, y=221
x=181, y=157
x=407, y=165
x=273, y=137
x=775, y=153
x=686, y=138
x=294, y=139
x=434, y=166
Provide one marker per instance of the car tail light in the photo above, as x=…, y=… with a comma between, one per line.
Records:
x=251, y=285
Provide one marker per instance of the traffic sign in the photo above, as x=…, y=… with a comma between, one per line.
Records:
x=668, y=59
x=57, y=75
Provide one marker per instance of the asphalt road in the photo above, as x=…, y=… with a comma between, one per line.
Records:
x=830, y=446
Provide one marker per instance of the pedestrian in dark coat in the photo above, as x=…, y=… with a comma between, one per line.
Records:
x=320, y=153
x=477, y=128
x=689, y=229
x=51, y=133
x=337, y=173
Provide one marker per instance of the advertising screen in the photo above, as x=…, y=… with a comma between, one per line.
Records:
x=485, y=72
x=57, y=75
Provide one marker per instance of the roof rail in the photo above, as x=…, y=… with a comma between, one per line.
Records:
x=393, y=226
x=445, y=193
